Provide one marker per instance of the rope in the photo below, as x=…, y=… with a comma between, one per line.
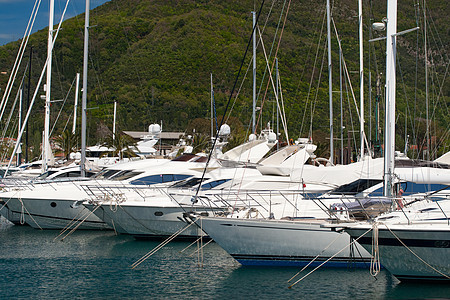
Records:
x=20, y=53
x=314, y=259
x=273, y=64
x=22, y=215
x=201, y=248
x=35, y=93
x=190, y=245
x=136, y=220
x=316, y=268
x=165, y=242
x=250, y=61
x=375, y=265
x=5, y=204
x=62, y=106
x=228, y=104
x=283, y=120
x=79, y=224
x=312, y=75
x=114, y=227
x=409, y=249
x=67, y=227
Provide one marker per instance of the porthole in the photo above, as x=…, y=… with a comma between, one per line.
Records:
x=204, y=214
x=53, y=204
x=158, y=213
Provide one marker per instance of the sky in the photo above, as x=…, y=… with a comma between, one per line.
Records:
x=15, y=14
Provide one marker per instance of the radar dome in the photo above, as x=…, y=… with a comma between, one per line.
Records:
x=379, y=26
x=224, y=130
x=272, y=137
x=154, y=129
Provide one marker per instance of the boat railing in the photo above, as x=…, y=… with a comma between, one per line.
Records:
x=350, y=207
x=118, y=192
x=263, y=200
x=13, y=183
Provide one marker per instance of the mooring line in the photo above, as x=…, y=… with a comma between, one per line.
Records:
x=190, y=245
x=314, y=259
x=196, y=251
x=5, y=203
x=354, y=241
x=427, y=264
x=23, y=207
x=375, y=264
x=165, y=242
x=79, y=224
x=114, y=226
x=69, y=225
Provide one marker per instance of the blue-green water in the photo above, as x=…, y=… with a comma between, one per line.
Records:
x=96, y=265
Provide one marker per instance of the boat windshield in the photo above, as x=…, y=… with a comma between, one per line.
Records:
x=411, y=188
x=160, y=178
x=188, y=183
x=356, y=187
x=213, y=184
x=46, y=174
x=124, y=175
x=105, y=174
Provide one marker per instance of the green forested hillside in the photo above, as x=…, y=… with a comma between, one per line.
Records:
x=155, y=59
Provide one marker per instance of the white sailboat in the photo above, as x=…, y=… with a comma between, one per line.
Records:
x=412, y=243
x=301, y=242
x=50, y=204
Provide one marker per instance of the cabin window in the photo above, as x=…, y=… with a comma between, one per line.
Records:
x=104, y=174
x=126, y=175
x=213, y=184
x=356, y=187
x=46, y=174
x=160, y=178
x=410, y=188
x=188, y=183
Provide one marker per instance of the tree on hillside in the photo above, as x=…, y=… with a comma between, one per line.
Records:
x=68, y=142
x=122, y=145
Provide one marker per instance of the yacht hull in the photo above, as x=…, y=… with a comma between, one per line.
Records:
x=432, y=245
x=55, y=214
x=11, y=216
x=149, y=222
x=283, y=243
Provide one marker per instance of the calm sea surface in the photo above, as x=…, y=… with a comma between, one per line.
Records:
x=96, y=265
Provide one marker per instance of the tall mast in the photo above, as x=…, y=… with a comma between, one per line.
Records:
x=277, y=91
x=389, y=140
x=361, y=79
x=83, y=100
x=75, y=107
x=342, y=110
x=46, y=139
x=114, y=120
x=28, y=104
x=212, y=109
x=19, y=150
x=330, y=82
x=254, y=74
x=426, y=77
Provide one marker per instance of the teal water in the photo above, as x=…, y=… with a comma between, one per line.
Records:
x=96, y=265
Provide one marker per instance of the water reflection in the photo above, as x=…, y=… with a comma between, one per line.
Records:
x=96, y=264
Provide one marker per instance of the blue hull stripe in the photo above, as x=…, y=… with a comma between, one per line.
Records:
x=408, y=242
x=300, y=261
